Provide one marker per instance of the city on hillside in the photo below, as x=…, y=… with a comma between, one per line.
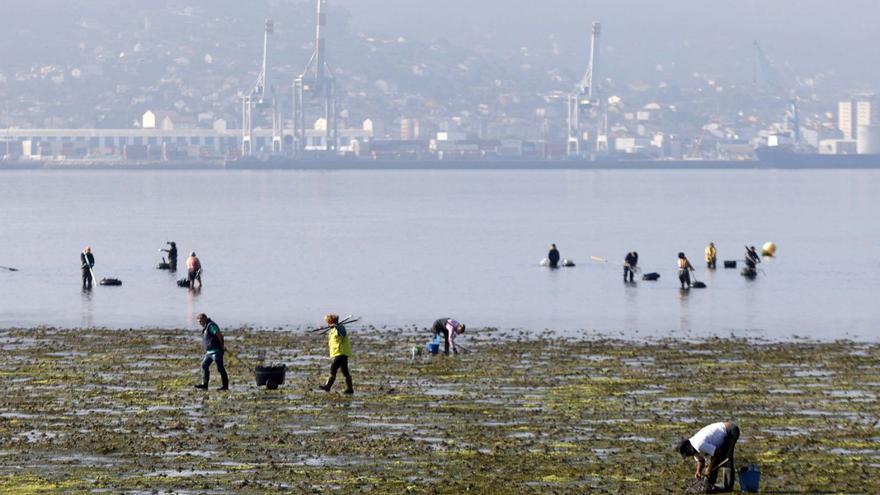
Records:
x=307, y=85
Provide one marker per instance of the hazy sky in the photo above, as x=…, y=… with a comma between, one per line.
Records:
x=712, y=35
x=643, y=40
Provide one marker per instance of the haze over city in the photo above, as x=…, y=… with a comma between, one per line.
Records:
x=673, y=80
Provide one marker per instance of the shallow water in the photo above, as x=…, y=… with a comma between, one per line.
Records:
x=399, y=247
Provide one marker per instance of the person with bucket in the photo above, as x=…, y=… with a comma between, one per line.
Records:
x=447, y=329
x=87, y=262
x=194, y=270
x=340, y=350
x=714, y=443
x=711, y=256
x=684, y=271
x=630, y=263
x=215, y=348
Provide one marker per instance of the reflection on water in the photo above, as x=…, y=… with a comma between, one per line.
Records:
x=285, y=248
x=88, y=319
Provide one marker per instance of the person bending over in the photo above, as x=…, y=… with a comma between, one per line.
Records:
x=712, y=449
x=448, y=329
x=629, y=266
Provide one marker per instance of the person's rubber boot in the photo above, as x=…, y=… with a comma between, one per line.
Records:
x=727, y=479
x=349, y=389
x=225, y=385
x=326, y=387
x=202, y=386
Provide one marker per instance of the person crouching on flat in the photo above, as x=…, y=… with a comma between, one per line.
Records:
x=716, y=444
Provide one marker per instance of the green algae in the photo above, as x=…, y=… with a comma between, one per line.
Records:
x=517, y=415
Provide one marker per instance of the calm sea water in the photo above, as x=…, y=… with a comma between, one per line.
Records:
x=397, y=247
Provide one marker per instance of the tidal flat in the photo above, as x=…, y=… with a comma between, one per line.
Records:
x=115, y=411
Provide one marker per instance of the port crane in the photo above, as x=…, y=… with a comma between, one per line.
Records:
x=259, y=97
x=315, y=89
x=586, y=104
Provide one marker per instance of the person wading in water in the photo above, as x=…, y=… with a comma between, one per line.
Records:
x=752, y=257
x=684, y=271
x=172, y=255
x=340, y=350
x=87, y=262
x=215, y=348
x=711, y=256
x=194, y=270
x=553, y=256
x=629, y=266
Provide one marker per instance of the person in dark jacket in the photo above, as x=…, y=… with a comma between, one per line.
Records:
x=87, y=262
x=684, y=271
x=448, y=329
x=752, y=257
x=630, y=263
x=752, y=260
x=172, y=255
x=215, y=348
x=553, y=256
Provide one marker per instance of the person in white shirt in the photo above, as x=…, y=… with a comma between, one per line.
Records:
x=716, y=443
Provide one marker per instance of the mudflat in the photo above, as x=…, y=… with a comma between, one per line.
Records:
x=112, y=411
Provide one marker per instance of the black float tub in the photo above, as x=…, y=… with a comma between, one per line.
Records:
x=270, y=376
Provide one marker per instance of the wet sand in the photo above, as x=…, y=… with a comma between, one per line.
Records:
x=102, y=411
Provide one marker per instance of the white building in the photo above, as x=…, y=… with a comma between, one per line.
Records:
x=869, y=140
x=863, y=110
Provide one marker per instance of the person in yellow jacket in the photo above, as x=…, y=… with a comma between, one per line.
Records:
x=340, y=351
x=711, y=256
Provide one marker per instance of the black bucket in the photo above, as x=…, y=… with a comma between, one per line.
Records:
x=183, y=283
x=163, y=266
x=111, y=282
x=730, y=264
x=270, y=376
x=651, y=277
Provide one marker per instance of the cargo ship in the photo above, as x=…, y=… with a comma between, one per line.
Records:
x=784, y=157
